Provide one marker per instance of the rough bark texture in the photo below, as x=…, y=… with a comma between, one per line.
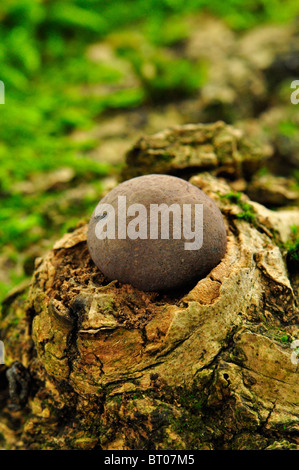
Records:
x=112, y=367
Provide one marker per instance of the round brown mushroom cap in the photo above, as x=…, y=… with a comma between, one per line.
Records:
x=157, y=264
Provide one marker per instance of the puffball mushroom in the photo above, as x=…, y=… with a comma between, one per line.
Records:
x=157, y=233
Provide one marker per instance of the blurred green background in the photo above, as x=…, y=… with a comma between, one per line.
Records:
x=69, y=68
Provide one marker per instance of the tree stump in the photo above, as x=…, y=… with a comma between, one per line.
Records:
x=112, y=367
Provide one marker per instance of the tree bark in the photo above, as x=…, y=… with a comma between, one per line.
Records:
x=112, y=367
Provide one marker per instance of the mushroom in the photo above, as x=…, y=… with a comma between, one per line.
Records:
x=157, y=233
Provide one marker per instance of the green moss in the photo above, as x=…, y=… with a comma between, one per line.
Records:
x=284, y=338
x=167, y=31
x=296, y=176
x=292, y=247
x=191, y=400
x=288, y=128
x=263, y=171
x=234, y=197
x=293, y=250
x=247, y=213
x=163, y=77
x=191, y=429
x=118, y=399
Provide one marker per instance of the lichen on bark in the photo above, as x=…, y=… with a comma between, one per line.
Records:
x=206, y=368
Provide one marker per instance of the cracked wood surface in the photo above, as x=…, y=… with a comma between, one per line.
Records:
x=202, y=369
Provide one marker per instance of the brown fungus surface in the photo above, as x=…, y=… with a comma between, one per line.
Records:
x=171, y=260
